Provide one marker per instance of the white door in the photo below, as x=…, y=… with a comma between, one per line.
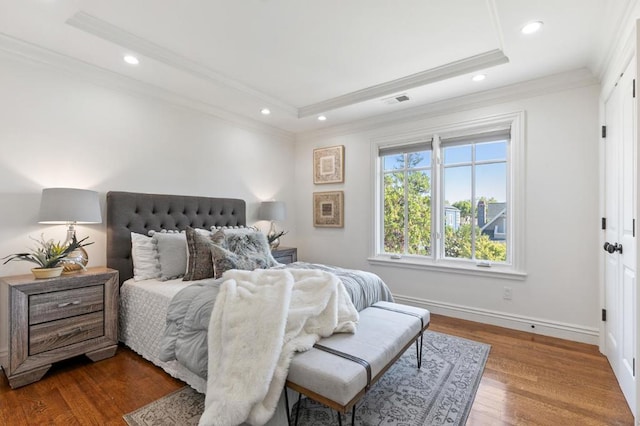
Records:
x=620, y=245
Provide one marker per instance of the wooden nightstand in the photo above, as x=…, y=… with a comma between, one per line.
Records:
x=285, y=254
x=58, y=318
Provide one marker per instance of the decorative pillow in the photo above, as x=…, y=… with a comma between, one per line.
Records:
x=199, y=262
x=235, y=229
x=253, y=243
x=246, y=250
x=144, y=253
x=172, y=253
x=224, y=260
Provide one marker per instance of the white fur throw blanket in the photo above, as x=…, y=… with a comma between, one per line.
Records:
x=260, y=318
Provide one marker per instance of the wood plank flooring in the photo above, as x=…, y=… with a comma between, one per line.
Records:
x=528, y=380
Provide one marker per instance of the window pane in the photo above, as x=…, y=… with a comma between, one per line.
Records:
x=491, y=151
x=393, y=162
x=491, y=182
x=457, y=184
x=419, y=159
x=457, y=154
x=394, y=212
x=491, y=189
x=419, y=209
x=457, y=212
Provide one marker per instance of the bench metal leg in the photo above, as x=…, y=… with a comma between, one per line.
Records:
x=298, y=409
x=286, y=401
x=353, y=417
x=419, y=349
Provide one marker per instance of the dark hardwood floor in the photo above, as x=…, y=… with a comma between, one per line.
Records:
x=529, y=380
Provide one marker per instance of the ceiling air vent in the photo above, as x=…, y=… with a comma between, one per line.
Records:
x=396, y=99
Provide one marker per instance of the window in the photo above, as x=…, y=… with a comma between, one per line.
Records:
x=474, y=189
x=450, y=198
x=407, y=199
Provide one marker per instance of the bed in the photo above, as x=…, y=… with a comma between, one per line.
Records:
x=144, y=304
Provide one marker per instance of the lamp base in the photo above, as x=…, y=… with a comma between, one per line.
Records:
x=273, y=242
x=79, y=255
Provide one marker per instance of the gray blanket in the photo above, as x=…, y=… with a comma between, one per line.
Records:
x=185, y=337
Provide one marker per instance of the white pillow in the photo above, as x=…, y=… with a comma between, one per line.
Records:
x=144, y=253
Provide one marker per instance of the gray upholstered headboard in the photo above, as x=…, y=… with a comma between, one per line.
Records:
x=133, y=212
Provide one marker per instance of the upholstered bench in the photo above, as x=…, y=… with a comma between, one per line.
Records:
x=339, y=369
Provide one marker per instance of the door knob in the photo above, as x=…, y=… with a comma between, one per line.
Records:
x=612, y=248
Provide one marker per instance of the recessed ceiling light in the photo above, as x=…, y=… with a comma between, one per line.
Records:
x=532, y=27
x=478, y=77
x=322, y=118
x=265, y=111
x=131, y=60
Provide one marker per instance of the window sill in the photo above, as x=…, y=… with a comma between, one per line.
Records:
x=495, y=271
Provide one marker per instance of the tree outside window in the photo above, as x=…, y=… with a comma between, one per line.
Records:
x=407, y=203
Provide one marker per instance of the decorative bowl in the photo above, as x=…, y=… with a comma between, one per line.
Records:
x=41, y=273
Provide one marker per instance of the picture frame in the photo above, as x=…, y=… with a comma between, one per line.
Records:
x=328, y=209
x=328, y=165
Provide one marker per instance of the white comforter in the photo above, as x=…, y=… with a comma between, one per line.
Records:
x=259, y=320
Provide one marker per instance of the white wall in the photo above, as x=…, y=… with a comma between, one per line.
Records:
x=560, y=294
x=58, y=131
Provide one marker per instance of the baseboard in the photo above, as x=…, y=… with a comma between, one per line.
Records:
x=517, y=322
x=4, y=358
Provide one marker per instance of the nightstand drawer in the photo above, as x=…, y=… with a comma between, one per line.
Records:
x=285, y=255
x=56, y=334
x=286, y=259
x=64, y=304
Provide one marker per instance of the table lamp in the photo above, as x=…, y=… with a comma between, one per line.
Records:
x=272, y=211
x=70, y=206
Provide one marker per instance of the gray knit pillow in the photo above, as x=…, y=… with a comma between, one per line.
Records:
x=172, y=253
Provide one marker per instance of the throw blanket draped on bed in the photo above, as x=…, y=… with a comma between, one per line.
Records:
x=189, y=314
x=259, y=320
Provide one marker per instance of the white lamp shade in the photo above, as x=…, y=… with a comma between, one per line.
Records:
x=68, y=205
x=272, y=210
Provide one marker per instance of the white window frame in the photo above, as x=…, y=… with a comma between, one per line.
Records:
x=516, y=172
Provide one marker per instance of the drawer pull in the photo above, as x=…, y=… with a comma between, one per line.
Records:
x=65, y=304
x=70, y=332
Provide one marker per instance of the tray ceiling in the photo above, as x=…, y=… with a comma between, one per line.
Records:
x=341, y=59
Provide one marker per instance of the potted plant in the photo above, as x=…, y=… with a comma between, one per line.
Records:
x=50, y=256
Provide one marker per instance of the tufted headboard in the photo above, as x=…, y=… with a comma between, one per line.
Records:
x=133, y=212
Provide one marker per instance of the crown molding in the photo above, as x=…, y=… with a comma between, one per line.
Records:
x=624, y=30
x=546, y=85
x=109, y=32
x=106, y=31
x=37, y=55
x=622, y=48
x=495, y=20
x=443, y=72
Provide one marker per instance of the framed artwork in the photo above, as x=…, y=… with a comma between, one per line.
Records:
x=328, y=209
x=328, y=165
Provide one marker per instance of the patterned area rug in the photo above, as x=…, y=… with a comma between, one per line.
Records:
x=440, y=393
